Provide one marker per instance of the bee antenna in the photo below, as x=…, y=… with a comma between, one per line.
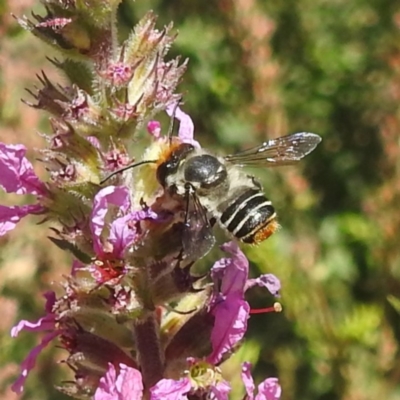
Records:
x=118, y=171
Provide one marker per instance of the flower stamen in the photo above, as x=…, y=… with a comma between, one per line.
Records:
x=277, y=307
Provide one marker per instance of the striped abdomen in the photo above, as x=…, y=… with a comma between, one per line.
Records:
x=250, y=217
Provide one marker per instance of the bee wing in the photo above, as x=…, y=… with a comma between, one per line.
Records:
x=198, y=238
x=284, y=150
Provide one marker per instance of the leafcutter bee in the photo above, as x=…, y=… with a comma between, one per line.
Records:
x=216, y=189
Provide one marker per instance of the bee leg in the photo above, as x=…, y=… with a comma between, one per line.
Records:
x=189, y=190
x=197, y=235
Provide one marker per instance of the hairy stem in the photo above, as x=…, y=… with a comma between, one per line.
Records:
x=149, y=350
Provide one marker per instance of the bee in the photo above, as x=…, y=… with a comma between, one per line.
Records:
x=216, y=189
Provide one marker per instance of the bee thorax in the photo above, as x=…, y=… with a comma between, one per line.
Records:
x=205, y=170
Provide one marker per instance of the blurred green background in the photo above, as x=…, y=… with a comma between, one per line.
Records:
x=260, y=69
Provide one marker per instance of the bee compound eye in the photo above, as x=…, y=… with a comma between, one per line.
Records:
x=171, y=164
x=206, y=170
x=162, y=172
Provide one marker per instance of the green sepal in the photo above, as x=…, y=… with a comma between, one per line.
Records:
x=66, y=245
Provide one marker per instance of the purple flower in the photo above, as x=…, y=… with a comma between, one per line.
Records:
x=120, y=238
x=230, y=312
x=127, y=385
x=154, y=128
x=169, y=389
x=269, y=389
x=268, y=281
x=201, y=378
x=47, y=324
x=230, y=309
x=17, y=176
x=123, y=231
x=186, y=126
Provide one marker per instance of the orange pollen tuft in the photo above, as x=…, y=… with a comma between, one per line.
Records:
x=167, y=149
x=266, y=231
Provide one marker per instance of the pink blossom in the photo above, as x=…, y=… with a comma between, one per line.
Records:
x=94, y=141
x=234, y=270
x=169, y=389
x=123, y=231
x=10, y=216
x=268, y=281
x=220, y=390
x=119, y=73
x=16, y=171
x=29, y=363
x=230, y=326
x=269, y=389
x=127, y=385
x=17, y=176
x=154, y=128
x=118, y=196
x=230, y=309
x=186, y=126
x=47, y=323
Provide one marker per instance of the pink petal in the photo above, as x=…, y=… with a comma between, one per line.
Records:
x=43, y=324
x=16, y=172
x=107, y=389
x=117, y=195
x=168, y=389
x=230, y=309
x=230, y=325
x=29, y=363
x=236, y=270
x=50, y=297
x=10, y=216
x=123, y=230
x=127, y=385
x=248, y=380
x=122, y=235
x=268, y=281
x=221, y=390
x=232, y=272
x=94, y=141
x=186, y=126
x=269, y=390
x=154, y=128
x=46, y=323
